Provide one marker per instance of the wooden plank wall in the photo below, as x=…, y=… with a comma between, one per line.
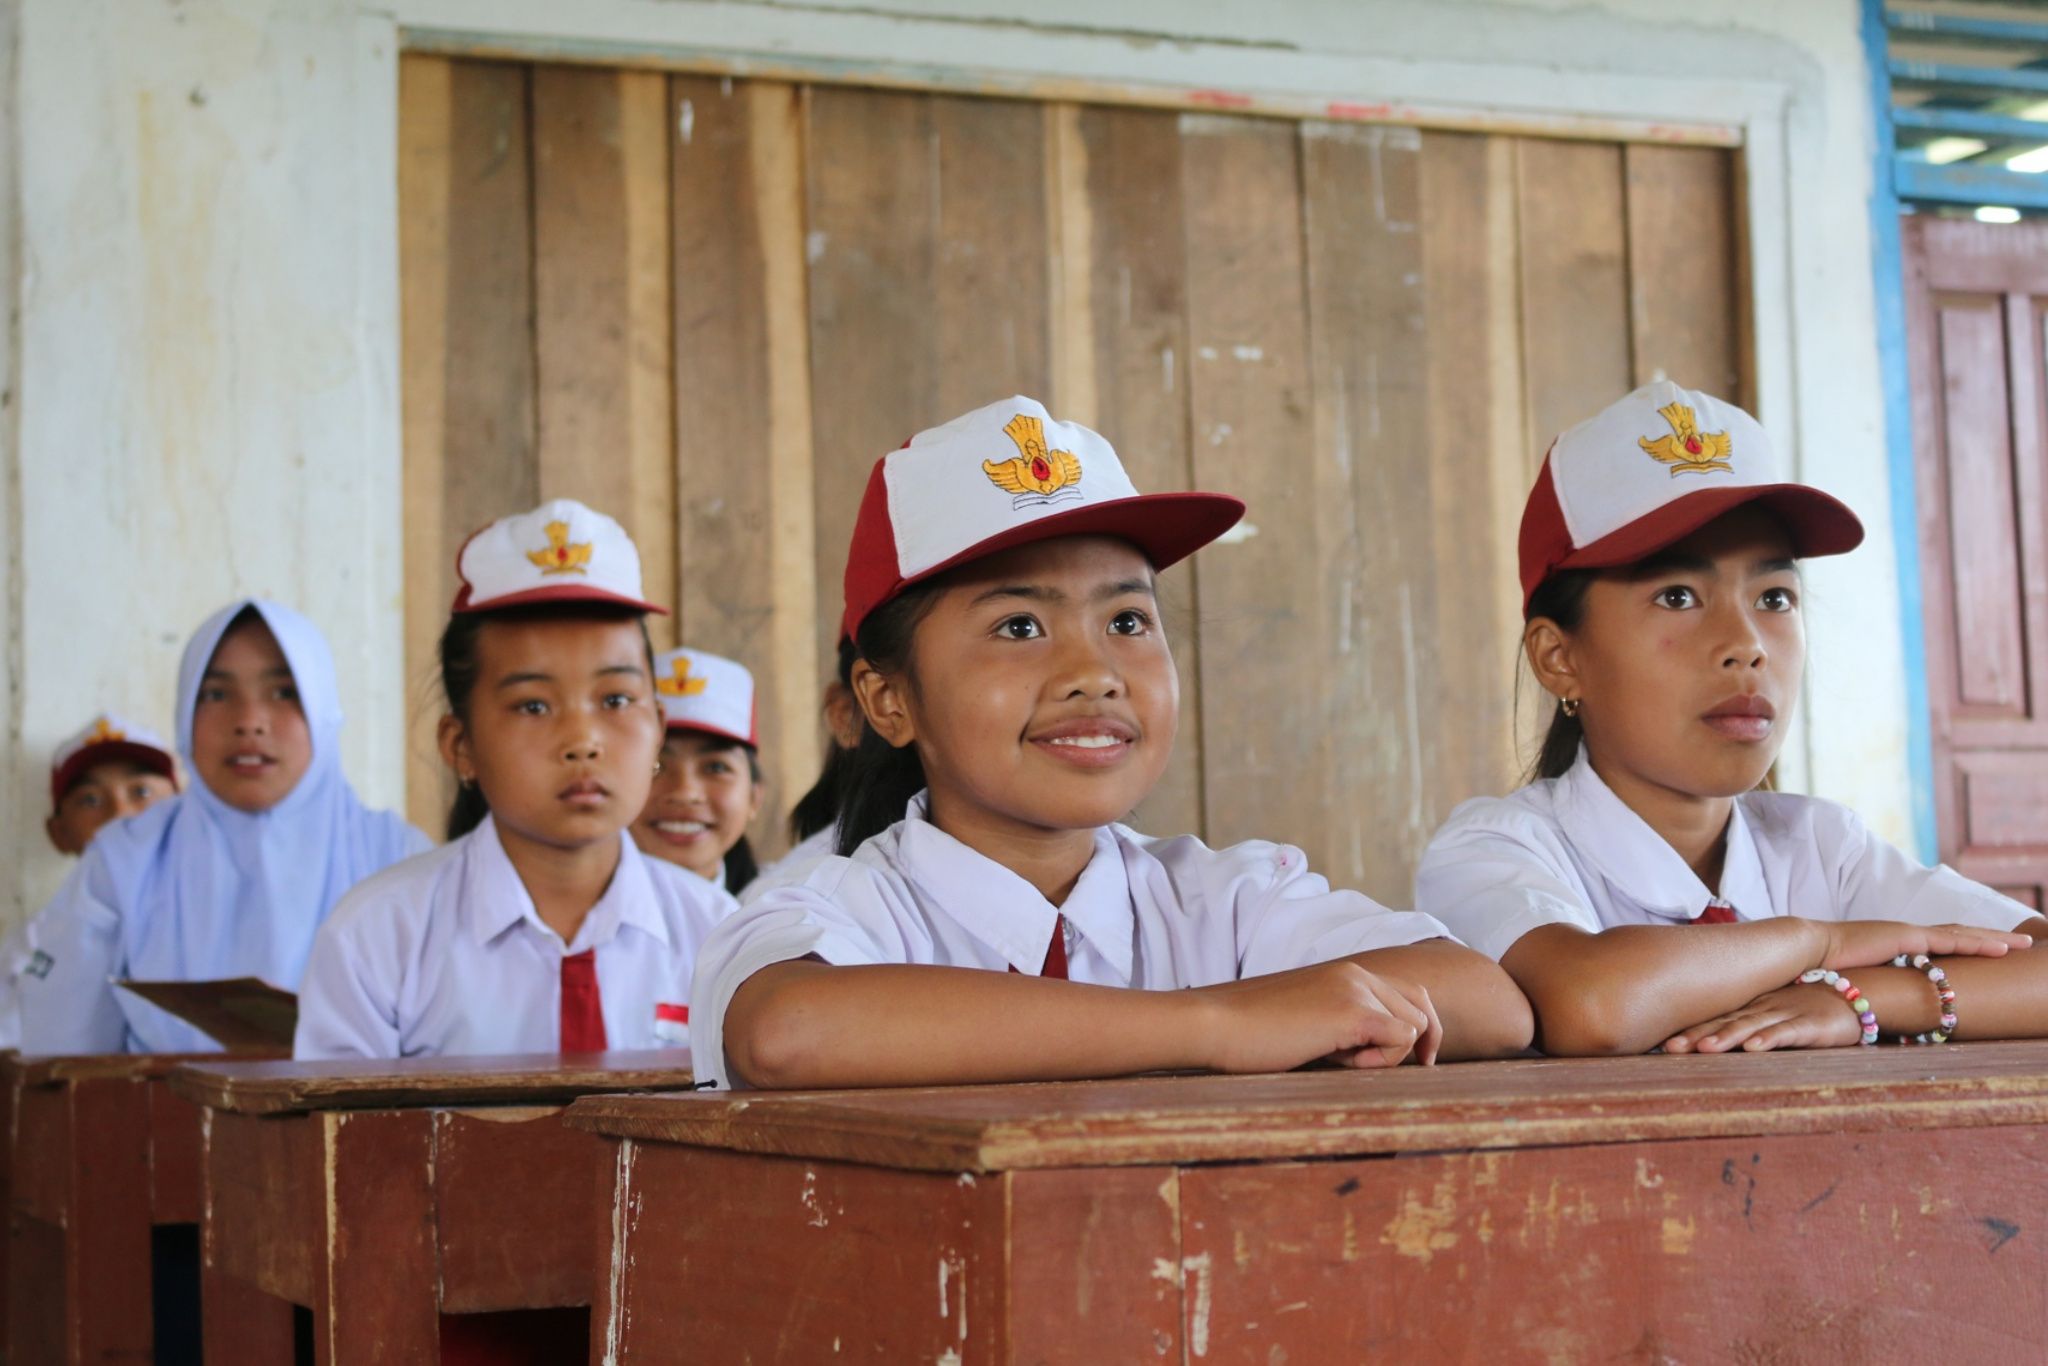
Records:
x=706, y=306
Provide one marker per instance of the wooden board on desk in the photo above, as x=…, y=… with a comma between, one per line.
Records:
x=285, y=1087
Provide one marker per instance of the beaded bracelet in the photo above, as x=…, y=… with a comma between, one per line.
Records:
x=1945, y=994
x=1855, y=999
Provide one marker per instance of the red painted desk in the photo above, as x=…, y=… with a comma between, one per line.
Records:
x=102, y=1155
x=382, y=1196
x=1780, y=1207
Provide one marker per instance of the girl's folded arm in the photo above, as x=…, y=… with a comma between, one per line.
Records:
x=1628, y=989
x=1484, y=1014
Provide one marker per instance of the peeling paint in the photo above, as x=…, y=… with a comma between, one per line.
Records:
x=1421, y=1231
x=1678, y=1236
x=1197, y=1267
x=810, y=1201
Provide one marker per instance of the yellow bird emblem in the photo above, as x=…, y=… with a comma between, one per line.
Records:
x=1034, y=474
x=1688, y=450
x=560, y=557
x=104, y=733
x=682, y=684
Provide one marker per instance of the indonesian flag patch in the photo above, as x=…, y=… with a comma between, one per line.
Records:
x=671, y=1023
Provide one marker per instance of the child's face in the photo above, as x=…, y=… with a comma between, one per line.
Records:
x=1676, y=658
x=700, y=802
x=1041, y=692
x=104, y=793
x=250, y=742
x=563, y=729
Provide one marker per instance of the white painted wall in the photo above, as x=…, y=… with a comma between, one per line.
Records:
x=203, y=194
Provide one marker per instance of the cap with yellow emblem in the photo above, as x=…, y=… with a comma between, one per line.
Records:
x=108, y=739
x=1651, y=470
x=561, y=552
x=706, y=692
x=1004, y=476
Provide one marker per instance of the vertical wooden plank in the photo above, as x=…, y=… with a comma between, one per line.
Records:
x=1086, y=1249
x=1130, y=205
x=989, y=286
x=602, y=330
x=743, y=429
x=1682, y=278
x=378, y=1285
x=528, y=1254
x=868, y=165
x=1264, y=659
x=1362, y=210
x=106, y=1268
x=1575, y=319
x=425, y=161
x=1479, y=455
x=466, y=254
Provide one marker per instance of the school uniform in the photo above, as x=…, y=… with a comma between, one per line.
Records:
x=193, y=889
x=793, y=867
x=1151, y=913
x=445, y=954
x=1567, y=851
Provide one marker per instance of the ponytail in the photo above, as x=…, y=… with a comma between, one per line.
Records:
x=1561, y=598
x=741, y=867
x=880, y=778
x=819, y=807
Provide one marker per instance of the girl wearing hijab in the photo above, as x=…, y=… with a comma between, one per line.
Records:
x=230, y=878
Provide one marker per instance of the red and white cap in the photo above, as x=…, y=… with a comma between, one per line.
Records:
x=1651, y=470
x=561, y=551
x=1003, y=476
x=700, y=691
x=108, y=739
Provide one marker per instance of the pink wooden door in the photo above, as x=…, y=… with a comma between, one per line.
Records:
x=1977, y=305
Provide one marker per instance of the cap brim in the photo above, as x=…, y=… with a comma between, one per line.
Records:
x=721, y=732
x=553, y=593
x=1818, y=524
x=112, y=751
x=1167, y=527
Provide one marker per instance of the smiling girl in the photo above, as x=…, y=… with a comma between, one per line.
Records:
x=231, y=877
x=989, y=918
x=1646, y=889
x=709, y=784
x=539, y=927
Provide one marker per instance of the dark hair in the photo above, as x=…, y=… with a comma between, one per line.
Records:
x=741, y=867
x=460, y=669
x=1561, y=598
x=819, y=807
x=880, y=778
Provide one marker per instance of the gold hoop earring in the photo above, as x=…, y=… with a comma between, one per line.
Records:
x=1569, y=706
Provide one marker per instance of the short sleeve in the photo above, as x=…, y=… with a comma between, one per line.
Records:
x=1288, y=916
x=1878, y=881
x=66, y=987
x=348, y=998
x=1496, y=871
x=842, y=913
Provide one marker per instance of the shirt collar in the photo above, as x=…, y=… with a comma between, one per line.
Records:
x=1640, y=866
x=1007, y=913
x=499, y=900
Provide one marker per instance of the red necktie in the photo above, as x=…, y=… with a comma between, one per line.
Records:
x=1055, y=952
x=582, y=1005
x=1716, y=914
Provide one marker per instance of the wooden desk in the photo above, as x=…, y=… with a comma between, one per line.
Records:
x=102, y=1155
x=1777, y=1207
x=382, y=1196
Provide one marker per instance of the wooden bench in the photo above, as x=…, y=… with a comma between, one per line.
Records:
x=380, y=1197
x=103, y=1157
x=1788, y=1206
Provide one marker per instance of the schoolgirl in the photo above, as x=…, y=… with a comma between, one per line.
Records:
x=231, y=877
x=1647, y=888
x=709, y=785
x=540, y=926
x=989, y=918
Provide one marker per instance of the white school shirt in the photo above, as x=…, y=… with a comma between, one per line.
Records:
x=1151, y=913
x=793, y=867
x=444, y=954
x=1568, y=851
